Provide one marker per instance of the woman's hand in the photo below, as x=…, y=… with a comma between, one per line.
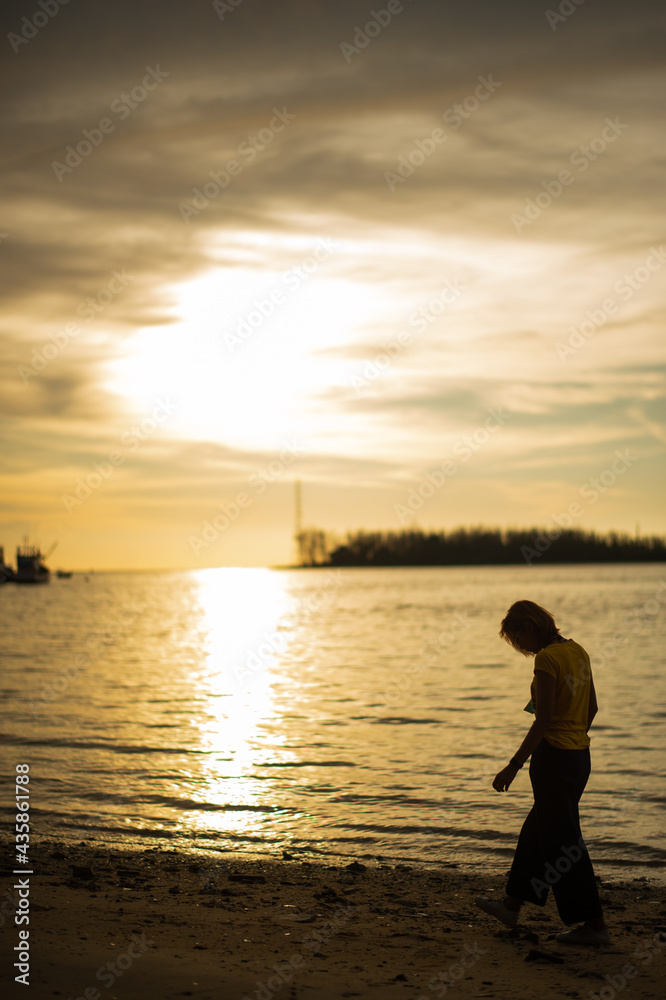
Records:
x=504, y=778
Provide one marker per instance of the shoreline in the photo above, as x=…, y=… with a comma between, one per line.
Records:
x=466, y=861
x=168, y=923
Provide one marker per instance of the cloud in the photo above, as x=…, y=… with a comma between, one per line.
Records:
x=450, y=218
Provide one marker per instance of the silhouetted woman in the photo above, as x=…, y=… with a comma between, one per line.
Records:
x=550, y=852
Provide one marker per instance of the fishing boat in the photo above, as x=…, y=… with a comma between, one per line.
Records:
x=64, y=574
x=6, y=572
x=30, y=565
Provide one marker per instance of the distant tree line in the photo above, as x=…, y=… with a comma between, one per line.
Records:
x=475, y=547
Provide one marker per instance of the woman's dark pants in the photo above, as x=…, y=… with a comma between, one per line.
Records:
x=550, y=851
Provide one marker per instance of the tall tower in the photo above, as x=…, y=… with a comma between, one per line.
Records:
x=298, y=526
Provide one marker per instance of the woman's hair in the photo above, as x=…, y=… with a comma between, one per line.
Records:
x=524, y=614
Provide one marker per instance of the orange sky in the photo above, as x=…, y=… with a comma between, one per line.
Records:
x=417, y=267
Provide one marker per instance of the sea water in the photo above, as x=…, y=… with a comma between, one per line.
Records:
x=334, y=714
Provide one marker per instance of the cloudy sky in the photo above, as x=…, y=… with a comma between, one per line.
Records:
x=412, y=258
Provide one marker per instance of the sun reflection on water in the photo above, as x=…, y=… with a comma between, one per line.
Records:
x=242, y=611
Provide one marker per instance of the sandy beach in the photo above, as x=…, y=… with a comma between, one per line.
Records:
x=109, y=923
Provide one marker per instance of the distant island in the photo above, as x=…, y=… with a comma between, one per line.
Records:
x=476, y=547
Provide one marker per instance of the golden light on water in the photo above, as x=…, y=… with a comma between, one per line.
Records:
x=241, y=613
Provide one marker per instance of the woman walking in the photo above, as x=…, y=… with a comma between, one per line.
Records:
x=550, y=851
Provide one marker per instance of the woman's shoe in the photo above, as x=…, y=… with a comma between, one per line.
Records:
x=496, y=908
x=583, y=935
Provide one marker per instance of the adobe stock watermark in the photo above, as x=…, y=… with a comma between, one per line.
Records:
x=445, y=980
x=409, y=163
x=276, y=642
x=610, y=811
x=364, y=34
x=311, y=943
x=581, y=158
x=57, y=685
x=634, y=622
x=646, y=952
x=464, y=448
x=122, y=106
x=553, y=871
x=30, y=26
x=625, y=288
x=396, y=691
x=88, y=310
x=258, y=482
x=257, y=659
x=130, y=439
x=454, y=116
x=420, y=319
x=8, y=907
x=289, y=281
x=246, y=151
x=496, y=759
x=563, y=12
x=111, y=971
x=221, y=7
x=591, y=490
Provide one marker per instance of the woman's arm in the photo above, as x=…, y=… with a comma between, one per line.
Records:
x=593, y=708
x=545, y=704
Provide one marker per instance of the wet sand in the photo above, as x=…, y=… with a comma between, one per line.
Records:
x=109, y=923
